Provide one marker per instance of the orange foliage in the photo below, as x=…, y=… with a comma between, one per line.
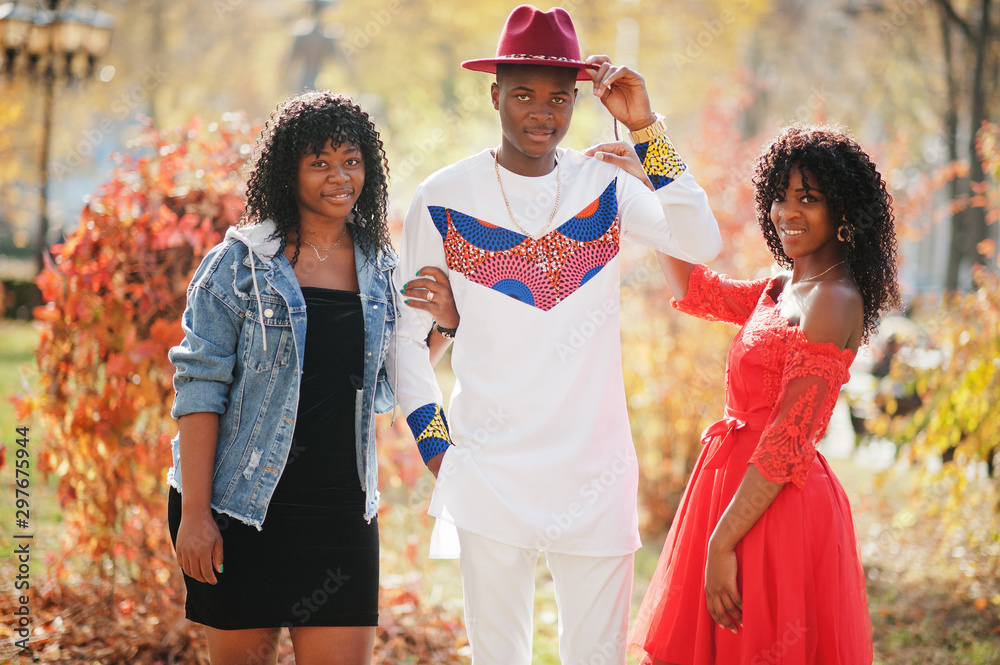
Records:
x=920, y=200
x=988, y=140
x=114, y=295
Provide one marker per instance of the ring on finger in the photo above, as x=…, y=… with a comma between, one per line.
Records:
x=430, y=296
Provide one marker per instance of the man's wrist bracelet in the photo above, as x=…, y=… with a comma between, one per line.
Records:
x=647, y=134
x=447, y=333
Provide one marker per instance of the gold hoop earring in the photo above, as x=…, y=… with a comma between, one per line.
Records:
x=845, y=233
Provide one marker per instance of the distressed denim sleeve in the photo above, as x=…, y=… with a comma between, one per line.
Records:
x=206, y=359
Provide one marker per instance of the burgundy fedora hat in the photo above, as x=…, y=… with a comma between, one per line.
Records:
x=534, y=37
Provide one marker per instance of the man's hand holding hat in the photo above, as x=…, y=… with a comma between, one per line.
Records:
x=623, y=93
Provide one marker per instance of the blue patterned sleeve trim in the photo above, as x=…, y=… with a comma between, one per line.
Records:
x=430, y=429
x=660, y=160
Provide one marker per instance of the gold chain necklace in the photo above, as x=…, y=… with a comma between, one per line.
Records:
x=808, y=279
x=326, y=249
x=533, y=236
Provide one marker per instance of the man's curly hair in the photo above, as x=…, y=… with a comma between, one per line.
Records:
x=856, y=196
x=302, y=125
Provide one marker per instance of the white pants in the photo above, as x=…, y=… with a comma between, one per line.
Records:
x=592, y=595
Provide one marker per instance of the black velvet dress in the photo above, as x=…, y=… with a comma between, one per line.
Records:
x=315, y=560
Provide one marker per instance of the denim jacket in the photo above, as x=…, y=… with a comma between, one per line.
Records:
x=242, y=354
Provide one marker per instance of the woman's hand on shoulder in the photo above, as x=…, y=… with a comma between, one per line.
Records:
x=199, y=546
x=622, y=155
x=833, y=312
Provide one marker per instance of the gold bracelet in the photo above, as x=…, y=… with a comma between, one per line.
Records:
x=650, y=132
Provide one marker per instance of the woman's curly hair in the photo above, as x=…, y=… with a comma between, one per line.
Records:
x=855, y=195
x=302, y=125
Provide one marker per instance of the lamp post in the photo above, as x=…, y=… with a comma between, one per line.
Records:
x=49, y=43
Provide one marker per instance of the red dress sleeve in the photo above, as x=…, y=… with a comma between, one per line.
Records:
x=810, y=384
x=718, y=297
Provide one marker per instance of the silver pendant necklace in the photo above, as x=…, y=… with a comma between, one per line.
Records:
x=326, y=249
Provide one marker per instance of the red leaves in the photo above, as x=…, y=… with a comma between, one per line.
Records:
x=84, y=623
x=407, y=630
x=144, y=624
x=114, y=298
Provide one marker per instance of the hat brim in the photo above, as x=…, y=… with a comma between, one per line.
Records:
x=489, y=65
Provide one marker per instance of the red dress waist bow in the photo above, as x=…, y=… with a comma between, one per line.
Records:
x=720, y=435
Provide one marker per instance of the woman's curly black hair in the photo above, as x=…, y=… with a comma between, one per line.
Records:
x=855, y=195
x=302, y=125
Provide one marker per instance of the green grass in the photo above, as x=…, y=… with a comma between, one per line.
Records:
x=17, y=368
x=18, y=373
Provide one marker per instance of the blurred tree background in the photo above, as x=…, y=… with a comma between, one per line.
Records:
x=146, y=171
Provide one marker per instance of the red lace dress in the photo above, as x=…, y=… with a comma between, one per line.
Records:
x=800, y=575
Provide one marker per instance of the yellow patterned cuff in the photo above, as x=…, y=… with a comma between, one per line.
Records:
x=660, y=160
x=430, y=429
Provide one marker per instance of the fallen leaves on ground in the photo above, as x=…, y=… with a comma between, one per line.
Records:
x=84, y=623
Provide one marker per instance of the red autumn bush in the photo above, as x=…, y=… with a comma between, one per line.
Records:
x=114, y=295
